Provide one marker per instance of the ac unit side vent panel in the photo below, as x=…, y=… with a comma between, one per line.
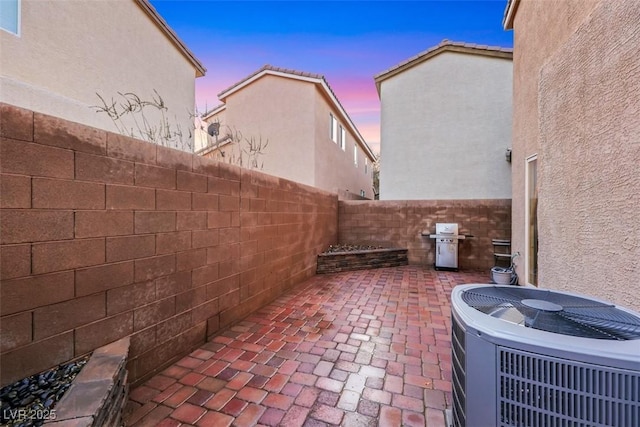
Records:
x=541, y=391
x=458, y=374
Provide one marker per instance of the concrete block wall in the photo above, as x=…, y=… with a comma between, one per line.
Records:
x=399, y=224
x=103, y=236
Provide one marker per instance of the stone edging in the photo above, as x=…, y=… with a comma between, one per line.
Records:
x=358, y=260
x=98, y=394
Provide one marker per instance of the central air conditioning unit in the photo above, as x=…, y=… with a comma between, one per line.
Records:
x=536, y=358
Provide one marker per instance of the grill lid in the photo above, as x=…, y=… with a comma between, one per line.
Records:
x=446, y=228
x=554, y=312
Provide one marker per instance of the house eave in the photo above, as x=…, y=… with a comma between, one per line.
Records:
x=445, y=46
x=263, y=72
x=214, y=111
x=213, y=147
x=155, y=17
x=334, y=100
x=510, y=13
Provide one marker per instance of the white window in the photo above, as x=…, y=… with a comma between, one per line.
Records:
x=334, y=128
x=343, y=138
x=531, y=221
x=355, y=155
x=366, y=165
x=10, y=15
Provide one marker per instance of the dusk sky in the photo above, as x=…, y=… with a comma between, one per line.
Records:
x=348, y=42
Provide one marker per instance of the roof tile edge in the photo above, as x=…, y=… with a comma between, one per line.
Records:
x=159, y=21
x=444, y=46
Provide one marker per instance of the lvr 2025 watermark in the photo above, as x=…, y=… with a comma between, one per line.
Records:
x=19, y=415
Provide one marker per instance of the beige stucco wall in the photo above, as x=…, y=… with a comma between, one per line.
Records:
x=278, y=110
x=539, y=28
x=335, y=169
x=69, y=50
x=293, y=115
x=445, y=127
x=577, y=105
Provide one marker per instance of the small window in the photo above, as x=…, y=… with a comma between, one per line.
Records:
x=366, y=165
x=10, y=15
x=343, y=138
x=355, y=155
x=334, y=128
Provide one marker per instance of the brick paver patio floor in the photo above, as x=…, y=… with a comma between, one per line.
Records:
x=363, y=348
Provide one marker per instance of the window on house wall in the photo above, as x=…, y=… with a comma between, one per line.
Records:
x=366, y=165
x=531, y=220
x=10, y=15
x=343, y=138
x=355, y=155
x=334, y=128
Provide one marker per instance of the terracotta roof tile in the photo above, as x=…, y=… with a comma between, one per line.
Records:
x=269, y=67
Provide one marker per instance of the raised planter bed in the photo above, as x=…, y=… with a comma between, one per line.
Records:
x=98, y=394
x=334, y=262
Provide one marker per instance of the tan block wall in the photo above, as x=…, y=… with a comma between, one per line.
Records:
x=103, y=236
x=400, y=224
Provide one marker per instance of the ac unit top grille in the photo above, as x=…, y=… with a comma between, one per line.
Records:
x=554, y=312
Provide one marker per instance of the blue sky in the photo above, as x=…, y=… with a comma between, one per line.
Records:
x=346, y=41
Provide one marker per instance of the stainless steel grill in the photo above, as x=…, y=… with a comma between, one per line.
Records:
x=447, y=239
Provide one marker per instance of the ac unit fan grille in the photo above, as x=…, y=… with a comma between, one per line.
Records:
x=554, y=312
x=541, y=391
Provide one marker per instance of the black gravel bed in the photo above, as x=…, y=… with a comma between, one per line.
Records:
x=31, y=401
x=350, y=248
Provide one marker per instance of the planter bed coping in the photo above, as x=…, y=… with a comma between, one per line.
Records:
x=362, y=251
x=98, y=394
x=365, y=259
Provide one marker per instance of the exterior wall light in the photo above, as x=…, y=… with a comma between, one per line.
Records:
x=508, y=155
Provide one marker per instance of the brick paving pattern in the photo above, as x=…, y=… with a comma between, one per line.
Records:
x=360, y=348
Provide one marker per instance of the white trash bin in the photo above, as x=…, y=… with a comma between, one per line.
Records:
x=501, y=275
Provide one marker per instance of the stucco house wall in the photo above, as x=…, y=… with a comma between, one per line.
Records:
x=292, y=111
x=279, y=111
x=446, y=125
x=335, y=169
x=66, y=52
x=577, y=106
